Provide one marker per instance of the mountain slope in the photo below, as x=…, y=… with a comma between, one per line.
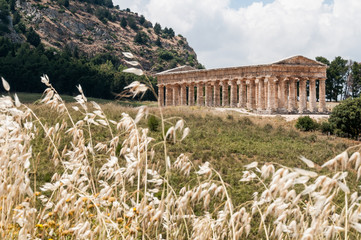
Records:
x=92, y=29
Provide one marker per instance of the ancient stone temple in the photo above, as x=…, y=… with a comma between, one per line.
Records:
x=293, y=85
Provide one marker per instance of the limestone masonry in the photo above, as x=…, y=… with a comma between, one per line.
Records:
x=289, y=86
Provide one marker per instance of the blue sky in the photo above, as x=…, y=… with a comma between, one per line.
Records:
x=236, y=4
x=227, y=33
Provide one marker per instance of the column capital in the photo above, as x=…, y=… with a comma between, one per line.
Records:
x=271, y=79
x=233, y=81
x=241, y=80
x=258, y=79
x=312, y=79
x=224, y=81
x=322, y=79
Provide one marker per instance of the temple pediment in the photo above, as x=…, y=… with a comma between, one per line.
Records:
x=299, y=60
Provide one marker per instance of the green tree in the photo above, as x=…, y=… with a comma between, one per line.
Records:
x=337, y=77
x=346, y=117
x=141, y=38
x=16, y=18
x=169, y=32
x=132, y=23
x=4, y=12
x=141, y=20
x=354, y=80
x=64, y=3
x=157, y=28
x=108, y=3
x=158, y=42
x=32, y=37
x=12, y=4
x=123, y=22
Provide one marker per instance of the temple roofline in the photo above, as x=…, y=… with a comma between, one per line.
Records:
x=297, y=60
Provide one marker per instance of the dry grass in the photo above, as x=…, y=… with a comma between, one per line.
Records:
x=113, y=179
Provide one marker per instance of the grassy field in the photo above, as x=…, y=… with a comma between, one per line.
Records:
x=227, y=140
x=91, y=173
x=36, y=98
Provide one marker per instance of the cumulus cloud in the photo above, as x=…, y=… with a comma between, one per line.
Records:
x=259, y=33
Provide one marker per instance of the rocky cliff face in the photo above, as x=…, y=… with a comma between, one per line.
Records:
x=93, y=29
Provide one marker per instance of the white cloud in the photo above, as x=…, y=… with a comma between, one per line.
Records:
x=259, y=33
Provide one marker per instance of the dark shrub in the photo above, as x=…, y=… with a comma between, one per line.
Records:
x=306, y=124
x=326, y=127
x=346, y=117
x=153, y=123
x=245, y=121
x=268, y=127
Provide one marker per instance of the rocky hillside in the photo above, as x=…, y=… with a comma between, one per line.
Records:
x=92, y=29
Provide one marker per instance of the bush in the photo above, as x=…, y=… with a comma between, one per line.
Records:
x=326, y=127
x=123, y=22
x=104, y=14
x=32, y=37
x=268, y=128
x=132, y=23
x=306, y=124
x=165, y=55
x=245, y=121
x=346, y=117
x=157, y=28
x=141, y=38
x=153, y=123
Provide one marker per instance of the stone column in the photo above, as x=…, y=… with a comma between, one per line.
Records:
x=208, y=94
x=233, y=93
x=322, y=96
x=191, y=94
x=261, y=93
x=175, y=95
x=251, y=94
x=302, y=106
x=256, y=94
x=265, y=87
x=292, y=92
x=312, y=97
x=225, y=99
x=200, y=98
x=277, y=97
x=168, y=95
x=242, y=95
x=281, y=94
x=216, y=94
x=161, y=95
x=271, y=95
x=183, y=94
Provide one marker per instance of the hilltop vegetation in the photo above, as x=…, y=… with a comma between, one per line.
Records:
x=95, y=27
x=100, y=76
x=81, y=42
